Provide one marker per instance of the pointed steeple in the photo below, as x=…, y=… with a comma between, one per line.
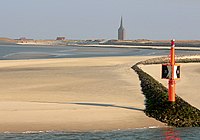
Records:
x=121, y=24
x=121, y=30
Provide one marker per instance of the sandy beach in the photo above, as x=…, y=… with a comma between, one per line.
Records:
x=71, y=94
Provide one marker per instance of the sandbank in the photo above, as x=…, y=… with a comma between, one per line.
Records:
x=142, y=47
x=72, y=94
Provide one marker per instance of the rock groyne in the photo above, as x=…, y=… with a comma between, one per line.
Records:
x=178, y=114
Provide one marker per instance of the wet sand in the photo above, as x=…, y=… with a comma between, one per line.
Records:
x=71, y=94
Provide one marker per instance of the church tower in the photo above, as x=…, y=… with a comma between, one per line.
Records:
x=121, y=31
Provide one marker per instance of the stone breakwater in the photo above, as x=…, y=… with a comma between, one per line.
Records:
x=178, y=114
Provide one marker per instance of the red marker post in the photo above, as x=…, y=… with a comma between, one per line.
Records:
x=171, y=71
x=172, y=82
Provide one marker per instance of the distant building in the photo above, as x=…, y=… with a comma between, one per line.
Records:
x=60, y=38
x=121, y=31
x=22, y=38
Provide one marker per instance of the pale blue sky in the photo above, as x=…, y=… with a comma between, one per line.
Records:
x=99, y=19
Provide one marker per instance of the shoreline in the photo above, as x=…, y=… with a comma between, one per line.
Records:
x=139, y=46
x=144, y=47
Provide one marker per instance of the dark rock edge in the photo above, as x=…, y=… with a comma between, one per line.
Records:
x=178, y=114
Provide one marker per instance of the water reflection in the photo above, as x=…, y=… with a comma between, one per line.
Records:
x=171, y=134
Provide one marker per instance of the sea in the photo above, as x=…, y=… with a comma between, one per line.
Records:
x=134, y=134
x=18, y=52
x=14, y=52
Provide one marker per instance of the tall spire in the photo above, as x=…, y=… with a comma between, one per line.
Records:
x=121, y=30
x=121, y=25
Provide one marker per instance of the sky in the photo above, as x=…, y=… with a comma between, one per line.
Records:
x=100, y=19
